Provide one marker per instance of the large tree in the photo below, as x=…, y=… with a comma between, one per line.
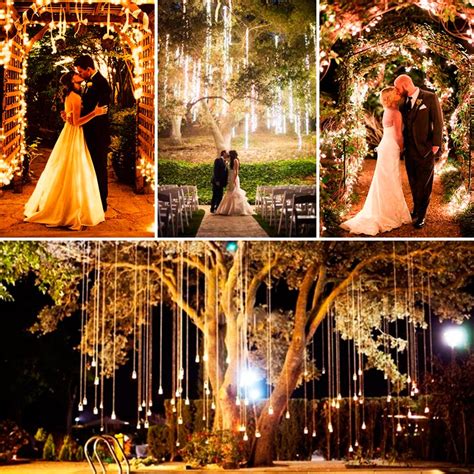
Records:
x=321, y=274
x=219, y=61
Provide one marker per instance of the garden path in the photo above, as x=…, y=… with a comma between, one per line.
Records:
x=128, y=214
x=439, y=223
x=229, y=226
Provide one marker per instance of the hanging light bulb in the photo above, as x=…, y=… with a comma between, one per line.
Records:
x=143, y=404
x=134, y=374
x=174, y=409
x=84, y=401
x=140, y=408
x=257, y=434
x=409, y=413
x=354, y=376
x=246, y=437
x=180, y=420
x=96, y=381
x=197, y=359
x=427, y=410
x=80, y=407
x=113, y=416
x=93, y=363
x=148, y=413
x=355, y=398
x=389, y=398
x=314, y=434
x=139, y=425
x=160, y=390
x=213, y=406
x=177, y=444
x=95, y=411
x=186, y=402
x=338, y=405
x=242, y=428
x=330, y=428
x=172, y=401
x=146, y=424
x=385, y=376
x=287, y=415
x=333, y=403
x=101, y=406
x=305, y=431
x=178, y=393
x=399, y=427
x=409, y=379
x=339, y=396
x=270, y=410
x=356, y=443
x=323, y=371
x=351, y=449
x=203, y=417
x=364, y=426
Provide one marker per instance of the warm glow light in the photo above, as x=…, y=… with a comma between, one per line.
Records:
x=455, y=336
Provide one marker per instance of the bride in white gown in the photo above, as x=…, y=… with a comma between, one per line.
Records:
x=235, y=201
x=67, y=193
x=385, y=207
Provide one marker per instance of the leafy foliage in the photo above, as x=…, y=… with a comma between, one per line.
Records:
x=49, y=449
x=12, y=438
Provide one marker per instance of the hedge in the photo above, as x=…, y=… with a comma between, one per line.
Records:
x=279, y=172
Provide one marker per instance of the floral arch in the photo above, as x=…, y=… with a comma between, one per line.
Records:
x=407, y=40
x=128, y=20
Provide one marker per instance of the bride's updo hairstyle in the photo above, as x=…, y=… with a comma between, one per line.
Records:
x=66, y=82
x=233, y=156
x=390, y=97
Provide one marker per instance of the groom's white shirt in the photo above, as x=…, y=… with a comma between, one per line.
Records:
x=414, y=97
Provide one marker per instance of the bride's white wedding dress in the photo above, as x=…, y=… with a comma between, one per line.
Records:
x=235, y=201
x=385, y=207
x=67, y=193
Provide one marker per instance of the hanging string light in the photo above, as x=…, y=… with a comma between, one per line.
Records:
x=113, y=416
x=135, y=279
x=269, y=329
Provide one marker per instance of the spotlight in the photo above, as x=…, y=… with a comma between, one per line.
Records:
x=232, y=247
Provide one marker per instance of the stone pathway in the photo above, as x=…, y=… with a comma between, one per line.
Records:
x=229, y=226
x=439, y=223
x=128, y=214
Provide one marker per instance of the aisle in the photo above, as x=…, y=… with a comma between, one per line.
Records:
x=229, y=226
x=439, y=223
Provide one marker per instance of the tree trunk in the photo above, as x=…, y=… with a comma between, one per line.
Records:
x=262, y=453
x=222, y=136
x=176, y=138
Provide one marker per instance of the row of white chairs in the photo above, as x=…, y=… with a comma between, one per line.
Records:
x=176, y=205
x=291, y=209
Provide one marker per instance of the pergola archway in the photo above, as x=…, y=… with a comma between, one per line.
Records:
x=404, y=38
x=132, y=22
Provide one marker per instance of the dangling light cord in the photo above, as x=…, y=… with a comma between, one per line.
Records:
x=197, y=359
x=102, y=374
x=397, y=358
x=113, y=416
x=82, y=349
x=134, y=370
x=160, y=388
x=269, y=334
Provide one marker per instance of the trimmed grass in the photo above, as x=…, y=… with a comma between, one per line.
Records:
x=270, y=230
x=193, y=227
x=282, y=172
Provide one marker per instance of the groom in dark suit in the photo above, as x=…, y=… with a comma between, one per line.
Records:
x=96, y=131
x=219, y=180
x=423, y=130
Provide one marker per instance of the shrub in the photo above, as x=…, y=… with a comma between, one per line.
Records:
x=80, y=454
x=41, y=435
x=12, y=438
x=451, y=181
x=124, y=145
x=49, y=450
x=301, y=171
x=466, y=221
x=68, y=449
x=158, y=440
x=222, y=447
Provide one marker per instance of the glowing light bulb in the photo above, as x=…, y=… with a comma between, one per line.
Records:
x=186, y=402
x=356, y=443
x=246, y=437
x=134, y=374
x=177, y=444
x=143, y=404
x=339, y=396
x=160, y=390
x=84, y=401
x=139, y=425
x=351, y=449
x=197, y=359
x=172, y=401
x=146, y=424
x=359, y=372
x=80, y=407
x=427, y=410
x=148, y=413
x=363, y=425
x=93, y=363
x=389, y=398
x=354, y=376
x=95, y=411
x=113, y=416
x=305, y=431
x=242, y=428
x=399, y=427
x=270, y=410
x=287, y=415
x=330, y=428
x=180, y=420
x=213, y=406
x=314, y=434
x=257, y=434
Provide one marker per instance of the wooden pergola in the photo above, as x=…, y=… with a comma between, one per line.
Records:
x=132, y=22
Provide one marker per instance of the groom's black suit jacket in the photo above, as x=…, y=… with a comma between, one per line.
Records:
x=219, y=178
x=97, y=131
x=98, y=93
x=424, y=122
